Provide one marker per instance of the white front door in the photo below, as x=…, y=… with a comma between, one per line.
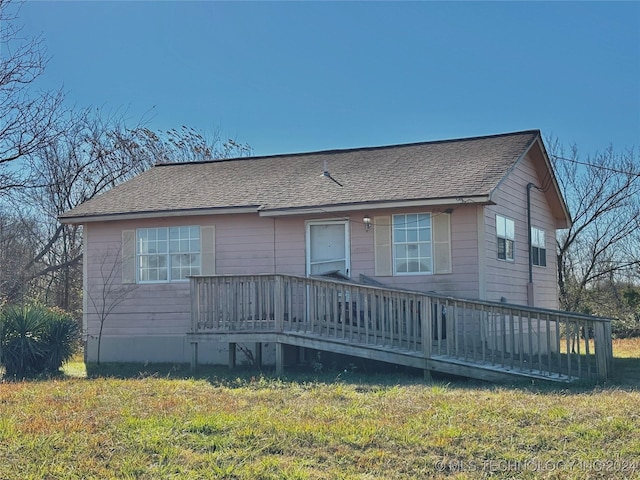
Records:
x=328, y=247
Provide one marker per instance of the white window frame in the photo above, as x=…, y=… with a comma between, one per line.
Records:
x=538, y=242
x=506, y=231
x=398, y=242
x=169, y=253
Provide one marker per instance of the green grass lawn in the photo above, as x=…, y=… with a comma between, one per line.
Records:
x=158, y=421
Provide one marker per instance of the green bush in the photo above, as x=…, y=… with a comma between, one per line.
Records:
x=61, y=338
x=35, y=340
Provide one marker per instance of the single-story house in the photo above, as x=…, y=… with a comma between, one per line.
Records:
x=472, y=217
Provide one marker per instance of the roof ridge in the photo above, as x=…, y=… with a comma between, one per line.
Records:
x=354, y=149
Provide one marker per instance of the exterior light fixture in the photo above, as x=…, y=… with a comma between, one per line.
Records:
x=367, y=222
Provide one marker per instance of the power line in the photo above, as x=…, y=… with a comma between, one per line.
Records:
x=599, y=167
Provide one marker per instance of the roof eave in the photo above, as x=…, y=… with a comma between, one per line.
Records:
x=522, y=155
x=567, y=221
x=346, y=207
x=110, y=217
x=561, y=222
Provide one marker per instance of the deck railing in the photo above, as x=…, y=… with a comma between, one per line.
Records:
x=513, y=338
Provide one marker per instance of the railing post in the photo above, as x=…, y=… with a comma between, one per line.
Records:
x=278, y=303
x=602, y=339
x=425, y=330
x=609, y=347
x=194, y=304
x=194, y=321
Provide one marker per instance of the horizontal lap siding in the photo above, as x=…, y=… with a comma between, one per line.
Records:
x=290, y=245
x=463, y=281
x=509, y=280
x=150, y=323
x=245, y=245
x=150, y=309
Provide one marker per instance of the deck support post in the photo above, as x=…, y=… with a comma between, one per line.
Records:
x=194, y=355
x=232, y=356
x=279, y=358
x=427, y=374
x=258, y=355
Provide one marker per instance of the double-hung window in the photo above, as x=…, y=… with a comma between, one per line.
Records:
x=505, y=232
x=167, y=254
x=538, y=249
x=412, y=243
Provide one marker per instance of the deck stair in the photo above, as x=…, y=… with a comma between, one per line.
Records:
x=471, y=338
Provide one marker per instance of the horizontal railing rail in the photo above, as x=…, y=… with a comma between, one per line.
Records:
x=540, y=342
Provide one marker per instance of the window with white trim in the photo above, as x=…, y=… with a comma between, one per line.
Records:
x=167, y=254
x=412, y=244
x=506, y=236
x=538, y=249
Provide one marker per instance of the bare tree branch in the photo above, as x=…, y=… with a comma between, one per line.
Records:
x=603, y=195
x=28, y=118
x=109, y=293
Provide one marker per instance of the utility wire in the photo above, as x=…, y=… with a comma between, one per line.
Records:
x=599, y=167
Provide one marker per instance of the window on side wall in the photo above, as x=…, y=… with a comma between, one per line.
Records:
x=167, y=254
x=412, y=244
x=505, y=232
x=538, y=249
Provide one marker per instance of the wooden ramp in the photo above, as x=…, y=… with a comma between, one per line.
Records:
x=476, y=339
x=397, y=356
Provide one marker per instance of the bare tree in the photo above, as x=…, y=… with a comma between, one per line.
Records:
x=93, y=154
x=96, y=151
x=603, y=244
x=187, y=145
x=16, y=243
x=52, y=160
x=28, y=117
x=110, y=293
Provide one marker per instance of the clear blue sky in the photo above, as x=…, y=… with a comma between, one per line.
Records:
x=292, y=77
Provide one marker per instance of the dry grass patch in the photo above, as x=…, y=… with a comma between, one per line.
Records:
x=167, y=425
x=627, y=348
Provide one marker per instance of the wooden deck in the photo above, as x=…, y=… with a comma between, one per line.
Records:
x=477, y=339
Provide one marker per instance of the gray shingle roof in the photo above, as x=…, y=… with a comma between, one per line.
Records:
x=446, y=169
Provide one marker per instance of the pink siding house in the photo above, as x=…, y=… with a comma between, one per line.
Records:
x=473, y=218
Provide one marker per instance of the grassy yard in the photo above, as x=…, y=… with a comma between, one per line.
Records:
x=137, y=422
